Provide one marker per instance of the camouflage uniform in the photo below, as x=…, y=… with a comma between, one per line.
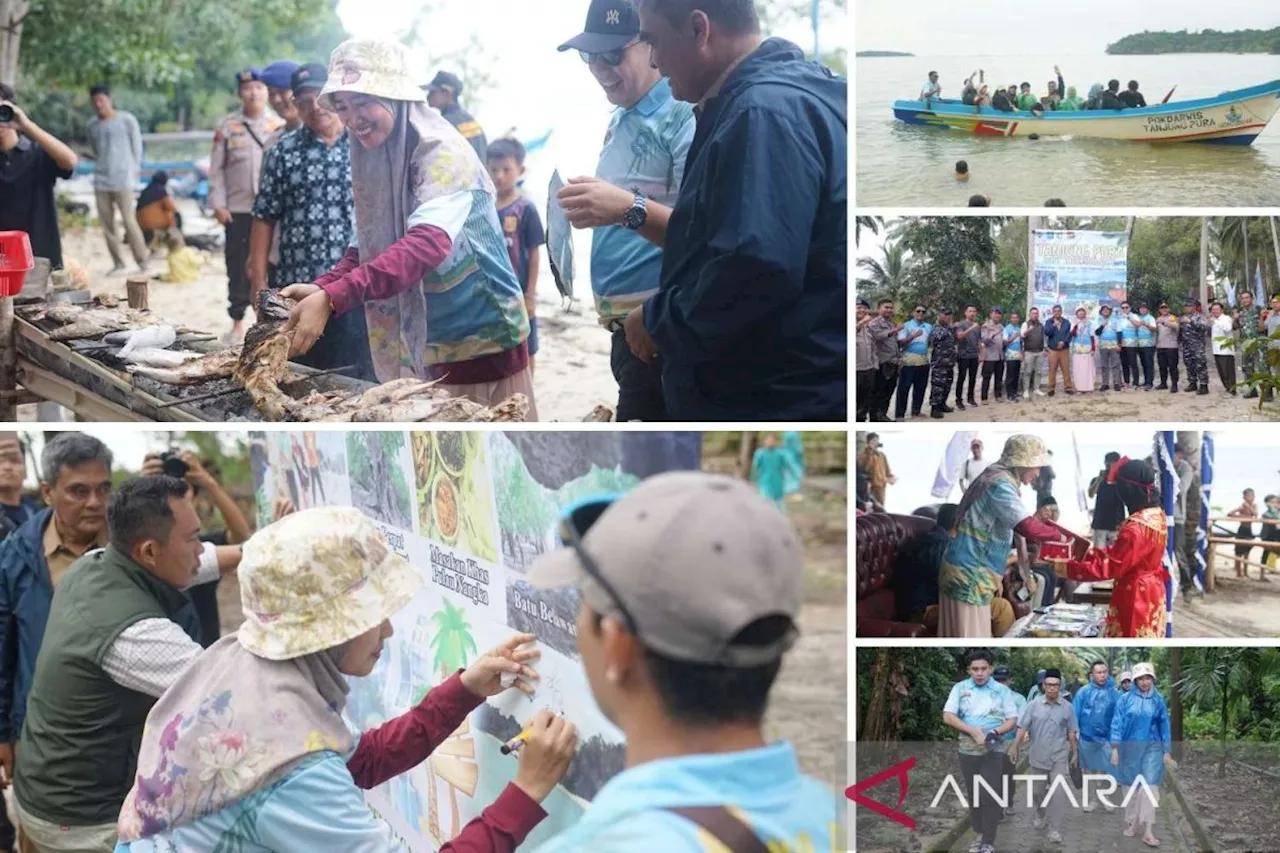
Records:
x=1249, y=319
x=942, y=343
x=1193, y=337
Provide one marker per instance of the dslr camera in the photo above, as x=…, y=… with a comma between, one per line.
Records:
x=173, y=465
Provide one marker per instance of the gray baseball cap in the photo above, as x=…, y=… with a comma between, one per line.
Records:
x=693, y=559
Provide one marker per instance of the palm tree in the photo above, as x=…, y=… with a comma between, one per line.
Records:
x=871, y=223
x=1216, y=677
x=889, y=274
x=454, y=647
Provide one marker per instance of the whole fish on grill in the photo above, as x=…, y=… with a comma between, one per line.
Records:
x=207, y=368
x=96, y=322
x=155, y=357
x=264, y=358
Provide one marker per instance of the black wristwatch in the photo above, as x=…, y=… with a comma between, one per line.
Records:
x=637, y=214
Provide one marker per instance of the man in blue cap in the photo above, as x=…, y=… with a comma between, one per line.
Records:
x=278, y=76
x=305, y=204
x=239, y=146
x=443, y=93
x=628, y=202
x=751, y=315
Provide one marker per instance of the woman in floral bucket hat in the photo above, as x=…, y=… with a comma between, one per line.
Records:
x=429, y=266
x=248, y=751
x=990, y=512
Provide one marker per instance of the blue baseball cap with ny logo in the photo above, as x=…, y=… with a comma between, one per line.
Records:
x=611, y=25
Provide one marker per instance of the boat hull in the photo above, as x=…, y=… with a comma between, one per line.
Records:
x=1232, y=118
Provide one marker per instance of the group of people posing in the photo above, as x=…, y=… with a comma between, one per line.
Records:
x=1058, y=96
x=1119, y=349
x=1122, y=733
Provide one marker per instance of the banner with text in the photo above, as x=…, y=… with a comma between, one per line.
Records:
x=471, y=511
x=1078, y=268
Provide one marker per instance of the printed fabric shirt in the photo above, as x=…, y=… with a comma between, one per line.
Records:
x=764, y=787
x=942, y=341
x=522, y=228
x=915, y=353
x=975, y=560
x=644, y=151
x=1146, y=331
x=306, y=188
x=1019, y=702
x=1108, y=332
x=1124, y=326
x=986, y=707
x=1012, y=342
x=1081, y=338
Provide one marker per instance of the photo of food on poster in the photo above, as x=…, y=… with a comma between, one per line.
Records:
x=472, y=511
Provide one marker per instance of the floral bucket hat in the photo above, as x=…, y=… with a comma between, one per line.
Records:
x=1024, y=451
x=317, y=578
x=380, y=68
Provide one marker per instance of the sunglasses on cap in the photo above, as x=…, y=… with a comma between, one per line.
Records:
x=574, y=525
x=612, y=58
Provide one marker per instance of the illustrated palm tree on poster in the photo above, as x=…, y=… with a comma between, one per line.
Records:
x=454, y=761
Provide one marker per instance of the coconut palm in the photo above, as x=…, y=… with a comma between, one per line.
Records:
x=454, y=647
x=888, y=274
x=1216, y=678
x=873, y=224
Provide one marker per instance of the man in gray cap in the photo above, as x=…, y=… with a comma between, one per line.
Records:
x=690, y=588
x=443, y=93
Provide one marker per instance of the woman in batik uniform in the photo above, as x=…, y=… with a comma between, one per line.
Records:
x=1135, y=561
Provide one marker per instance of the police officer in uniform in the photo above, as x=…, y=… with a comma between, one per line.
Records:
x=1193, y=337
x=943, y=357
x=239, y=144
x=443, y=93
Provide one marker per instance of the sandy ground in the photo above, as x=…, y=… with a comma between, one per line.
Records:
x=1216, y=406
x=1237, y=607
x=572, y=373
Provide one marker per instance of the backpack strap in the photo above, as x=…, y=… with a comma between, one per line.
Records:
x=724, y=826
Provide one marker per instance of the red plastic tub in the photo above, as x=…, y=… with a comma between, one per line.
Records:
x=16, y=260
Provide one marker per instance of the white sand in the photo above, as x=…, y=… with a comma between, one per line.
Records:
x=572, y=373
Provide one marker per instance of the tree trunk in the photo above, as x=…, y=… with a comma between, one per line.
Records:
x=877, y=720
x=1275, y=242
x=746, y=452
x=1204, y=260
x=12, y=13
x=1222, y=731
x=1033, y=222
x=1175, y=700
x=1247, y=284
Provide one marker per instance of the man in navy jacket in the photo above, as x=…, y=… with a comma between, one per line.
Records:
x=751, y=320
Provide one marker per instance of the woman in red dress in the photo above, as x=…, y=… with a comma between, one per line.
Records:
x=1135, y=561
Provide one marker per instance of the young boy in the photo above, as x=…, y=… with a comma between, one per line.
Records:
x=962, y=170
x=521, y=225
x=1248, y=509
x=1271, y=532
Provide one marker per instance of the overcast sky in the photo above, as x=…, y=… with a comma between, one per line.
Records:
x=1022, y=27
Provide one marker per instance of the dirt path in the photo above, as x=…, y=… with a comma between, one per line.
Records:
x=1216, y=406
x=808, y=704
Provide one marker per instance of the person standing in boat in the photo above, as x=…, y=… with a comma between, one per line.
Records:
x=1131, y=97
x=429, y=265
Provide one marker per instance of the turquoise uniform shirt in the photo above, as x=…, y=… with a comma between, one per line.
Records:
x=974, y=561
x=917, y=352
x=1146, y=336
x=986, y=707
x=1013, y=342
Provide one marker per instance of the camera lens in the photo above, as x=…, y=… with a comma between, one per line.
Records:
x=6, y=112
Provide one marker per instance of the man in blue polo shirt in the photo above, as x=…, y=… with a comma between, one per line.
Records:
x=913, y=378
x=629, y=200
x=750, y=320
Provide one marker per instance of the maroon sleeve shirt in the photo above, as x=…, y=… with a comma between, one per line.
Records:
x=405, y=742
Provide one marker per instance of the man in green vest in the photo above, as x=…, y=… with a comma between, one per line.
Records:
x=120, y=631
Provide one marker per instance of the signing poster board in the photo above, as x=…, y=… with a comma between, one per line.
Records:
x=1075, y=268
x=471, y=511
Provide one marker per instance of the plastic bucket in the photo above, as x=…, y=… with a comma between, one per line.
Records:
x=16, y=261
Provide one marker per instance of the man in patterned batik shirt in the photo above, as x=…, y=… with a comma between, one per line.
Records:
x=306, y=193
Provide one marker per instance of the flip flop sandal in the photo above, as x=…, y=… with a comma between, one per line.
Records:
x=1130, y=829
x=1150, y=840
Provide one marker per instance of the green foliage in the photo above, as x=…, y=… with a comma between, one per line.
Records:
x=453, y=642
x=1164, y=260
x=948, y=262
x=1205, y=41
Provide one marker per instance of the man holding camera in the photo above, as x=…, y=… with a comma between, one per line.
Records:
x=222, y=546
x=31, y=162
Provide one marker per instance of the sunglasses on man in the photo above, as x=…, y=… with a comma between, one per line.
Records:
x=574, y=524
x=612, y=58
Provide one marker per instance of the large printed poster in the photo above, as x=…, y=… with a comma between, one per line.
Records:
x=471, y=511
x=1075, y=268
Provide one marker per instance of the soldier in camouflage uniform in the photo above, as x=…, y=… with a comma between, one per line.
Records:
x=1193, y=337
x=942, y=359
x=1249, y=319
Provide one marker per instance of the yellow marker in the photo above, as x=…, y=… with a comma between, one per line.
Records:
x=518, y=741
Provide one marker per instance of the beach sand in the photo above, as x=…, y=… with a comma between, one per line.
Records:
x=572, y=373
x=1217, y=406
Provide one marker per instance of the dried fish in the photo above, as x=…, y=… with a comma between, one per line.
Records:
x=600, y=414
x=154, y=357
x=152, y=337
x=514, y=409
x=215, y=365
x=95, y=322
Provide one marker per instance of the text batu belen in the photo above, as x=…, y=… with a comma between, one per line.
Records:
x=457, y=574
x=542, y=610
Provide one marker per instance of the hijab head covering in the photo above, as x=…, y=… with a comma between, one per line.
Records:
x=1071, y=91
x=310, y=584
x=154, y=190
x=1095, y=91
x=424, y=159
x=1135, y=482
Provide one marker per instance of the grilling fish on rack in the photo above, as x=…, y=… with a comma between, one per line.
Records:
x=207, y=368
x=264, y=358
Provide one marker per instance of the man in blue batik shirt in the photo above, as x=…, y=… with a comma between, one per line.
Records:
x=628, y=202
x=913, y=378
x=1145, y=327
x=1108, y=332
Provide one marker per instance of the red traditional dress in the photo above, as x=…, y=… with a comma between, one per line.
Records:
x=1136, y=563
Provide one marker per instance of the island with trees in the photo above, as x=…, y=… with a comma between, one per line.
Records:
x=880, y=54
x=1205, y=41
